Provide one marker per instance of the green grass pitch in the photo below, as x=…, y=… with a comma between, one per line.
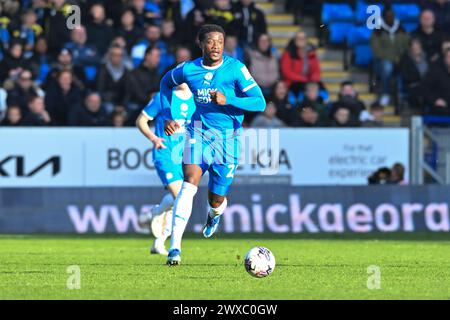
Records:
x=35, y=267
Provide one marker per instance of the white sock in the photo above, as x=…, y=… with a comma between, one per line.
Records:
x=165, y=204
x=182, y=210
x=167, y=231
x=214, y=212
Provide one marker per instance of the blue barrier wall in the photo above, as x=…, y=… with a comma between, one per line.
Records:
x=278, y=209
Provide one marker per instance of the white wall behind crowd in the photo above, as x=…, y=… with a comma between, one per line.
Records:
x=96, y=157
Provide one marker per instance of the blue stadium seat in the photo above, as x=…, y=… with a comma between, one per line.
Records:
x=339, y=31
x=406, y=12
x=333, y=12
x=410, y=26
x=363, y=55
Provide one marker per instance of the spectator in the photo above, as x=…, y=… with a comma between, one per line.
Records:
x=37, y=115
x=99, y=33
x=144, y=16
x=181, y=54
x=27, y=32
x=147, y=72
x=55, y=19
x=221, y=14
x=63, y=97
x=233, y=49
x=388, y=45
x=23, y=90
x=91, y=114
x=249, y=22
x=264, y=65
x=305, y=116
x=428, y=35
x=152, y=38
x=348, y=100
x=120, y=42
x=299, y=63
x=194, y=20
x=445, y=45
x=279, y=97
x=40, y=62
x=413, y=68
x=398, y=174
x=441, y=10
x=168, y=36
x=313, y=99
x=268, y=118
x=342, y=118
x=13, y=117
x=437, y=88
x=118, y=118
x=83, y=54
x=13, y=63
x=128, y=30
x=376, y=115
x=112, y=78
x=381, y=176
x=65, y=62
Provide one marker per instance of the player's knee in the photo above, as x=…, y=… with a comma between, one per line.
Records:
x=215, y=200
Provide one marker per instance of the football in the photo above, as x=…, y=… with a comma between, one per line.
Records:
x=259, y=262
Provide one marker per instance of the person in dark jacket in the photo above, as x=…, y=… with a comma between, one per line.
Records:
x=144, y=80
x=56, y=31
x=91, y=114
x=99, y=33
x=37, y=116
x=13, y=63
x=279, y=97
x=65, y=62
x=413, y=68
x=348, y=100
x=428, y=35
x=63, y=97
x=249, y=21
x=13, y=117
x=128, y=30
x=22, y=91
x=437, y=88
x=112, y=78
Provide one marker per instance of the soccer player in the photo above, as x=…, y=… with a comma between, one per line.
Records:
x=223, y=90
x=166, y=158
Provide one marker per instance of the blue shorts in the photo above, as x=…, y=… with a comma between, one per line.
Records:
x=220, y=157
x=167, y=170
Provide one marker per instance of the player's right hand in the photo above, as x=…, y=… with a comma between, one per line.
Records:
x=170, y=127
x=158, y=143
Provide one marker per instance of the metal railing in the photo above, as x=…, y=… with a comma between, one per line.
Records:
x=419, y=166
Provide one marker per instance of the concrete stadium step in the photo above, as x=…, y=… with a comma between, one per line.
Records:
x=281, y=42
x=270, y=7
x=361, y=88
x=392, y=120
x=367, y=98
x=283, y=31
x=331, y=66
x=335, y=76
x=275, y=19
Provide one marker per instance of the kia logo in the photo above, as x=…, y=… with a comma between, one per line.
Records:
x=54, y=162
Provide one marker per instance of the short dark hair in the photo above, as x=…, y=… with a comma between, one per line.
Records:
x=346, y=83
x=151, y=48
x=208, y=28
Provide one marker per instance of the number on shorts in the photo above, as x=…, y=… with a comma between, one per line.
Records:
x=232, y=168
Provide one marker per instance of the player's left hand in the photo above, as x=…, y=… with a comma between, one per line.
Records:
x=218, y=98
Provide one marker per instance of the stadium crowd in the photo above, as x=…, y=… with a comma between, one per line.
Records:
x=104, y=71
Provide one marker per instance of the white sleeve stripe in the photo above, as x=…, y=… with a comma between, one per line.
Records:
x=173, y=79
x=254, y=84
x=147, y=116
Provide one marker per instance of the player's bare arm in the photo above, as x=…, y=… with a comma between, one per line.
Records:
x=142, y=124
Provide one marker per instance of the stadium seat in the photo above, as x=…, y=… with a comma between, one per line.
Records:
x=359, y=41
x=332, y=12
x=406, y=12
x=410, y=26
x=339, y=31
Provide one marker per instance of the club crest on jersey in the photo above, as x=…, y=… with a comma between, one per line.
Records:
x=207, y=78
